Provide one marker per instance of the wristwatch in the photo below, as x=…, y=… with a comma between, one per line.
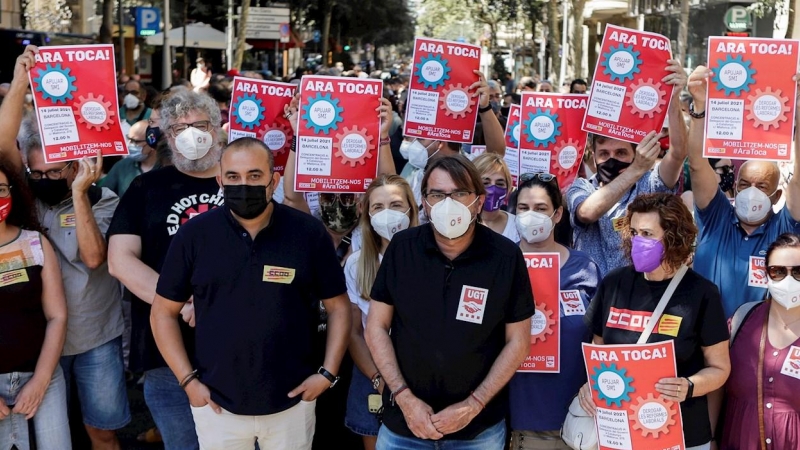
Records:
x=329, y=376
x=690, y=391
x=376, y=381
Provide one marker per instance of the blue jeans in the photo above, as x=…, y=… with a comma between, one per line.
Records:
x=358, y=418
x=100, y=376
x=493, y=438
x=169, y=405
x=50, y=422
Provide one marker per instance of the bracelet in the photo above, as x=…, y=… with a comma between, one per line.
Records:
x=385, y=141
x=188, y=378
x=694, y=114
x=394, y=394
x=484, y=109
x=472, y=394
x=294, y=144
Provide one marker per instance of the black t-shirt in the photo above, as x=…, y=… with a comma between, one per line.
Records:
x=693, y=318
x=154, y=207
x=449, y=320
x=255, y=303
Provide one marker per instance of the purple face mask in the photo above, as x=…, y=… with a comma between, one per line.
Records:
x=494, y=197
x=646, y=254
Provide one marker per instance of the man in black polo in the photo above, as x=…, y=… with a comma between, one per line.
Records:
x=255, y=269
x=458, y=301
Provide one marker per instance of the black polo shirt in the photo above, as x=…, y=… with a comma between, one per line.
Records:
x=255, y=303
x=449, y=320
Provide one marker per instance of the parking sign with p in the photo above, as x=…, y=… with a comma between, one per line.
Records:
x=148, y=21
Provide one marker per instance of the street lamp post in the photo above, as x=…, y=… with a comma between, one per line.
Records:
x=166, y=70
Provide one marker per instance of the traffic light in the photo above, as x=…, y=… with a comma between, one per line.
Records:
x=347, y=48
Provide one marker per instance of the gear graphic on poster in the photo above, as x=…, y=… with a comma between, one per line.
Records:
x=94, y=112
x=564, y=157
x=646, y=98
x=354, y=146
x=456, y=101
x=55, y=83
x=253, y=112
x=617, y=375
x=652, y=415
x=733, y=66
x=436, y=69
x=331, y=110
x=542, y=128
x=621, y=62
x=514, y=135
x=541, y=323
x=276, y=137
x=767, y=108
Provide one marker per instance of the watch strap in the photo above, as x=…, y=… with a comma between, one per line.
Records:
x=690, y=390
x=328, y=376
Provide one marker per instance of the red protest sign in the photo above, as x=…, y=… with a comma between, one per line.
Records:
x=628, y=98
x=512, y=142
x=750, y=104
x=552, y=140
x=338, y=136
x=257, y=111
x=630, y=413
x=440, y=105
x=545, y=275
x=75, y=95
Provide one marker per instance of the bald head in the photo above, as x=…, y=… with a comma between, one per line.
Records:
x=138, y=130
x=764, y=175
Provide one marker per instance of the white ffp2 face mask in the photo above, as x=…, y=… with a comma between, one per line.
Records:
x=389, y=222
x=193, y=144
x=534, y=226
x=418, y=154
x=451, y=218
x=131, y=101
x=785, y=292
x=752, y=205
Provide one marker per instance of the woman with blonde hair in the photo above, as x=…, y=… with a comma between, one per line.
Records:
x=497, y=180
x=387, y=208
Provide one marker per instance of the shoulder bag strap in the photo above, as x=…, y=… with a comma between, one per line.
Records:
x=662, y=304
x=760, y=381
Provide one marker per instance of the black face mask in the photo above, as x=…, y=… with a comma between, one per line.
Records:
x=49, y=191
x=338, y=218
x=152, y=135
x=247, y=202
x=726, y=181
x=609, y=170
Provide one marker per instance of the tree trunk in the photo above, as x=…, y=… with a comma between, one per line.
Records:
x=577, y=36
x=683, y=32
x=241, y=35
x=106, y=36
x=553, y=37
x=326, y=32
x=790, y=27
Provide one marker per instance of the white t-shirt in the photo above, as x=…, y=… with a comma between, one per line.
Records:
x=350, y=276
x=511, y=228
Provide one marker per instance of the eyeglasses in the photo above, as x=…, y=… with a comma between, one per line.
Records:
x=544, y=177
x=5, y=190
x=53, y=174
x=328, y=199
x=460, y=196
x=723, y=170
x=777, y=273
x=178, y=128
x=136, y=141
x=136, y=93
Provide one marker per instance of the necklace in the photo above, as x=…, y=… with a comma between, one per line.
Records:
x=785, y=325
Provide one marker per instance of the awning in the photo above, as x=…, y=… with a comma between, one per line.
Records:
x=198, y=35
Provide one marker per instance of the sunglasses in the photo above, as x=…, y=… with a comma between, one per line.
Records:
x=777, y=273
x=343, y=199
x=543, y=177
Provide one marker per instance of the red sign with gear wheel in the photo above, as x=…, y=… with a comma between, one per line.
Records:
x=628, y=98
x=75, y=95
x=545, y=276
x=256, y=111
x=551, y=139
x=750, y=100
x=338, y=134
x=630, y=413
x=440, y=104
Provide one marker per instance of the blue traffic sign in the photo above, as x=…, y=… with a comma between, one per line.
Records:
x=317, y=36
x=148, y=21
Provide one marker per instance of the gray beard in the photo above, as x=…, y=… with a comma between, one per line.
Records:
x=186, y=165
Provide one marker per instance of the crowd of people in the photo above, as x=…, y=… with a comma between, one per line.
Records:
x=262, y=317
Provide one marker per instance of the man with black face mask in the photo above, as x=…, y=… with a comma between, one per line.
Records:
x=598, y=205
x=76, y=213
x=255, y=269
